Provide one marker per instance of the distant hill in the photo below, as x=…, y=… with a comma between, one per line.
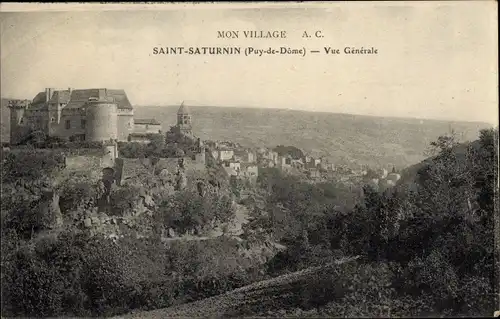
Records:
x=344, y=138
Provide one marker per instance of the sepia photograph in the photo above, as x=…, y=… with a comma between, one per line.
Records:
x=250, y=160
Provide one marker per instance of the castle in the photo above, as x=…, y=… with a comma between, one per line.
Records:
x=97, y=115
x=86, y=115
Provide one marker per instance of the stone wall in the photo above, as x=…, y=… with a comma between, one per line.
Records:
x=135, y=169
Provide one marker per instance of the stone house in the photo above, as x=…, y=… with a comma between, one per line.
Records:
x=225, y=155
x=231, y=167
x=147, y=126
x=249, y=172
x=244, y=156
x=314, y=173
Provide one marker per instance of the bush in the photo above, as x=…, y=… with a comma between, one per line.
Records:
x=187, y=210
x=29, y=166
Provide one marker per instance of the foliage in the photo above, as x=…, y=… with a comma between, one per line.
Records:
x=124, y=199
x=77, y=275
x=29, y=166
x=294, y=152
x=77, y=193
x=187, y=210
x=157, y=147
x=428, y=249
x=445, y=225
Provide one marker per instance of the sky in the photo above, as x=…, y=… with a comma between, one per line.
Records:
x=435, y=60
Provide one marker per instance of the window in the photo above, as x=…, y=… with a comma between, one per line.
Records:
x=83, y=123
x=68, y=124
x=52, y=120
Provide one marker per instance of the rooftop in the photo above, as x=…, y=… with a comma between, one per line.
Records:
x=77, y=98
x=80, y=97
x=183, y=109
x=147, y=121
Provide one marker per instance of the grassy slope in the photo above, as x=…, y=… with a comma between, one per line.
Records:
x=257, y=296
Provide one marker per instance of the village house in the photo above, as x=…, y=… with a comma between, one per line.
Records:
x=298, y=164
x=382, y=173
x=311, y=162
x=225, y=155
x=317, y=162
x=231, y=167
x=268, y=154
x=249, y=172
x=393, y=178
x=244, y=156
x=314, y=173
x=147, y=126
x=264, y=162
x=139, y=137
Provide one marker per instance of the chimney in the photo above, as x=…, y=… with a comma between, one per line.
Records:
x=48, y=94
x=102, y=93
x=70, y=90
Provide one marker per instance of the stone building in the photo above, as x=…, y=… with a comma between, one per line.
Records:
x=244, y=156
x=184, y=120
x=147, y=126
x=87, y=114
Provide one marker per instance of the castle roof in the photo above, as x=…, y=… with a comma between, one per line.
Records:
x=38, y=102
x=77, y=98
x=183, y=109
x=80, y=97
x=60, y=97
x=147, y=121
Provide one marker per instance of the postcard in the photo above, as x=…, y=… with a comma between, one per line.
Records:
x=266, y=159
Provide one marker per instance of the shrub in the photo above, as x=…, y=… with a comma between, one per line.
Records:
x=187, y=210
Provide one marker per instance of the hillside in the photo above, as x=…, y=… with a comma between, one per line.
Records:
x=257, y=297
x=343, y=138
x=410, y=173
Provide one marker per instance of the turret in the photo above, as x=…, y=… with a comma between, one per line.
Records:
x=102, y=118
x=18, y=129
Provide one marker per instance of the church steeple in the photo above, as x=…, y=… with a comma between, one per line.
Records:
x=184, y=119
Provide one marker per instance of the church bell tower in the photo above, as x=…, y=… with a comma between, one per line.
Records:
x=184, y=120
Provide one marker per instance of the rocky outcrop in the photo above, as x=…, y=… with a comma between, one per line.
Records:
x=48, y=210
x=181, y=181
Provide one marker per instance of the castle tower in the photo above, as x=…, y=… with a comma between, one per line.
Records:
x=18, y=129
x=102, y=118
x=184, y=119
